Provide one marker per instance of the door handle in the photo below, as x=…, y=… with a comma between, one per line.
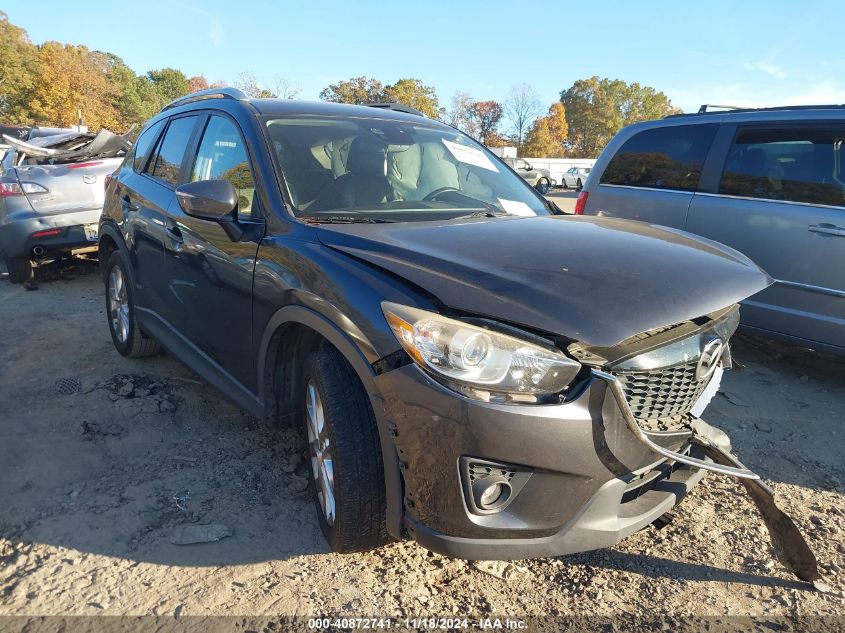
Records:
x=174, y=233
x=127, y=203
x=827, y=229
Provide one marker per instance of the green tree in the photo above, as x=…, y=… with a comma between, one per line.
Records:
x=596, y=109
x=547, y=135
x=135, y=98
x=414, y=94
x=18, y=71
x=168, y=84
x=356, y=90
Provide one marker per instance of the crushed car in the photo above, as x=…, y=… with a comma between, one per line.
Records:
x=51, y=194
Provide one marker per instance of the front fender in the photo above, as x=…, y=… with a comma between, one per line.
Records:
x=349, y=341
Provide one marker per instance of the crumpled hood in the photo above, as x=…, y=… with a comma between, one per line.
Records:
x=594, y=280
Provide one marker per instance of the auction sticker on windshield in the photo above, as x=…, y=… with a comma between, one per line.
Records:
x=469, y=155
x=515, y=207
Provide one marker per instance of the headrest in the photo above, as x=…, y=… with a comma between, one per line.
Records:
x=366, y=157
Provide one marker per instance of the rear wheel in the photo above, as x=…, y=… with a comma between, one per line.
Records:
x=20, y=269
x=542, y=186
x=344, y=453
x=563, y=183
x=120, y=311
x=578, y=185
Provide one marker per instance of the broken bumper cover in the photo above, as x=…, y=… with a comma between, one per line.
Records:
x=584, y=480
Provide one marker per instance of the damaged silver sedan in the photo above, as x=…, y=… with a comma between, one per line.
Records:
x=51, y=195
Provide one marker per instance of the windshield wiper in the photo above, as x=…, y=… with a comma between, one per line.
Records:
x=483, y=214
x=343, y=219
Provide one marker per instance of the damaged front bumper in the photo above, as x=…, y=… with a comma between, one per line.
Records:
x=576, y=477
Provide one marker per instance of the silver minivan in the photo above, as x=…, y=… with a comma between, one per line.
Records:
x=768, y=182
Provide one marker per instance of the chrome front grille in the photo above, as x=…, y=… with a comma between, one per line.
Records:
x=660, y=399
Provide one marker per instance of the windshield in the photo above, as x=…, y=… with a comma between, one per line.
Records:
x=371, y=169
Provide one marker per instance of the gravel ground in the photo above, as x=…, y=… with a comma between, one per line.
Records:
x=103, y=470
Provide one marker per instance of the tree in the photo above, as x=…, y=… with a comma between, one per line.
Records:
x=596, y=109
x=547, y=135
x=168, y=84
x=197, y=83
x=18, y=71
x=134, y=97
x=521, y=107
x=73, y=80
x=487, y=115
x=461, y=114
x=413, y=93
x=249, y=85
x=284, y=89
x=355, y=90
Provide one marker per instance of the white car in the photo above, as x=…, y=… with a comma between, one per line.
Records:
x=574, y=177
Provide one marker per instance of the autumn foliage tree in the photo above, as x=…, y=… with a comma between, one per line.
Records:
x=409, y=92
x=18, y=70
x=547, y=136
x=73, y=79
x=487, y=115
x=596, y=109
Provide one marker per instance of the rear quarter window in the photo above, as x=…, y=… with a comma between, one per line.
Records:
x=791, y=163
x=662, y=158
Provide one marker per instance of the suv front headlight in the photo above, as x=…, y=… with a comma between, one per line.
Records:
x=495, y=366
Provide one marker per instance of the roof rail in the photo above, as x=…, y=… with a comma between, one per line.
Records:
x=211, y=93
x=397, y=107
x=705, y=108
x=736, y=110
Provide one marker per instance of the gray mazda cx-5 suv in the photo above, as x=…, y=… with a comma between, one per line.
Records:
x=469, y=366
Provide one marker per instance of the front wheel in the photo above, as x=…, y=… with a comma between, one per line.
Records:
x=542, y=186
x=120, y=311
x=578, y=185
x=20, y=269
x=345, y=454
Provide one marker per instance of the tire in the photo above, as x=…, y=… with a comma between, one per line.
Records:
x=563, y=184
x=120, y=312
x=542, y=186
x=578, y=185
x=20, y=269
x=341, y=433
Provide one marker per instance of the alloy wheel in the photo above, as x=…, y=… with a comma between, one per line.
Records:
x=322, y=466
x=118, y=304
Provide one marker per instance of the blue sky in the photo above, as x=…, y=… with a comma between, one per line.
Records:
x=751, y=53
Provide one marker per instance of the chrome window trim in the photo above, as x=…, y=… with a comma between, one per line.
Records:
x=770, y=200
x=810, y=287
x=688, y=192
x=726, y=195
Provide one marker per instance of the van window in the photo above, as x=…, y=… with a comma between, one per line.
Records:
x=787, y=163
x=171, y=150
x=662, y=158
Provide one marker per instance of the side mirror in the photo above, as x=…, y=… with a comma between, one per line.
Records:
x=528, y=167
x=211, y=200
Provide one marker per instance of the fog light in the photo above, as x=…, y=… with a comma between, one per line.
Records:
x=491, y=492
x=490, y=495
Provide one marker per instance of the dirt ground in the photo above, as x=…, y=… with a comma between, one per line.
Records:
x=103, y=458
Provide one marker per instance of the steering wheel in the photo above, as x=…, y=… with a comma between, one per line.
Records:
x=431, y=197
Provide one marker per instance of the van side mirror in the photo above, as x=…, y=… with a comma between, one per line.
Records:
x=211, y=200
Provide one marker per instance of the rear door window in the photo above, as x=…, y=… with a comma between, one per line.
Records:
x=144, y=145
x=662, y=158
x=167, y=163
x=791, y=163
